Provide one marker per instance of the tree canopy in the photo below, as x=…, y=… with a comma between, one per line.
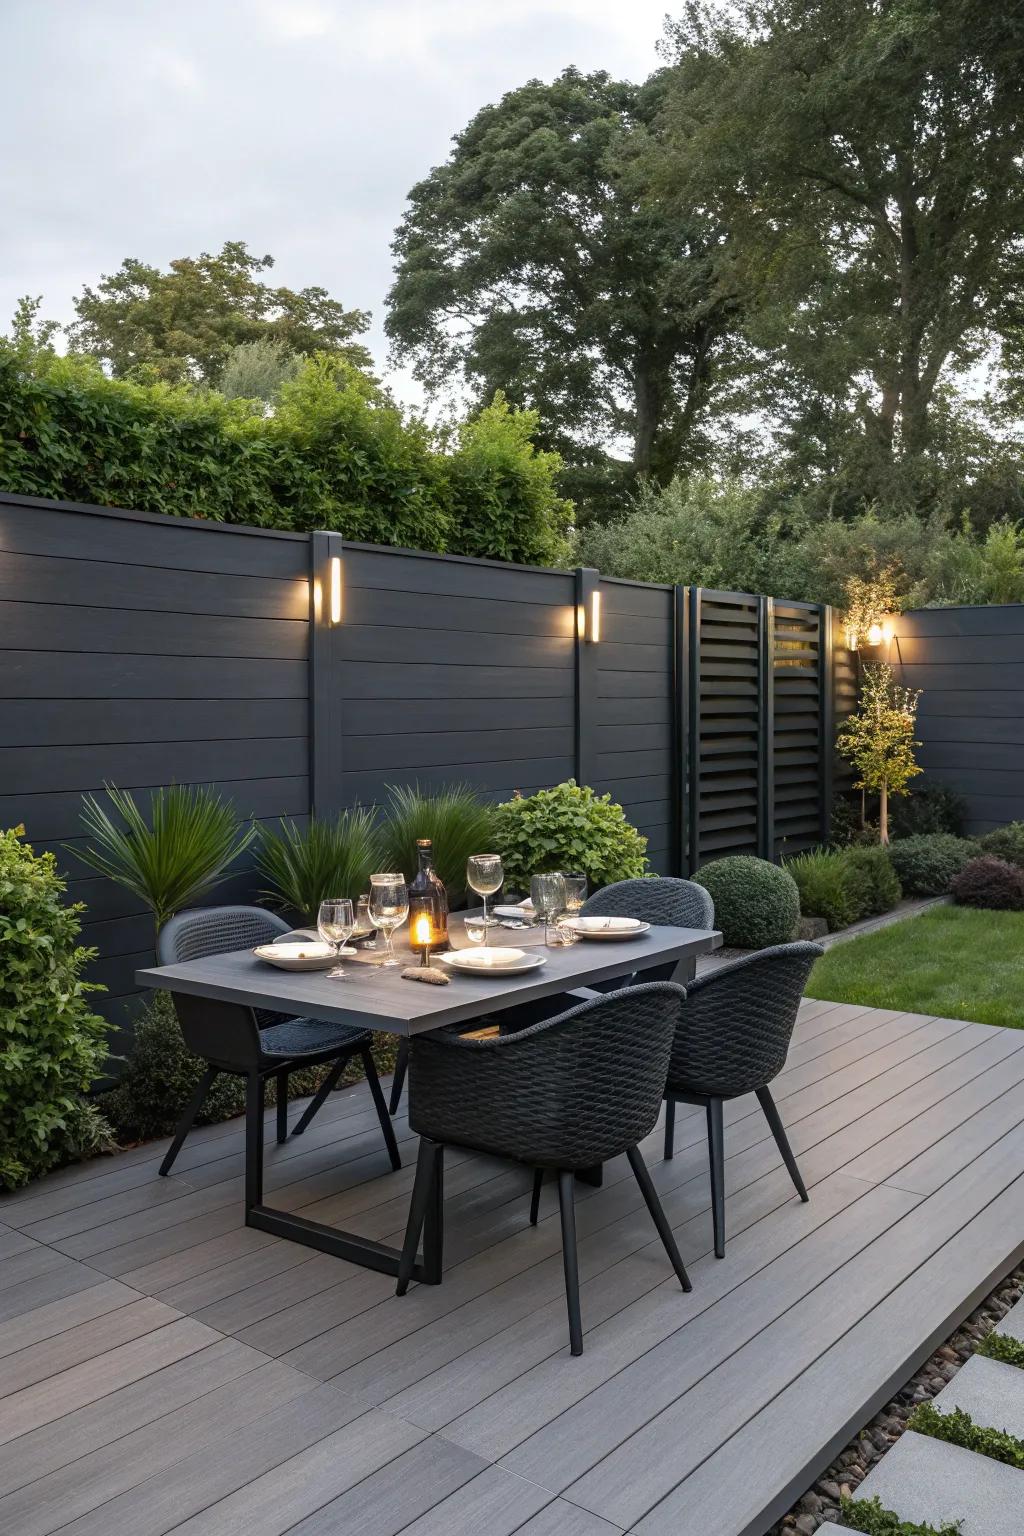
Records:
x=183, y=324
x=532, y=262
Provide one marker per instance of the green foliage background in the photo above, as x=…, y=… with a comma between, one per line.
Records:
x=567, y=828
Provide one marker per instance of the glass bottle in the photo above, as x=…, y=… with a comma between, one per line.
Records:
x=428, y=904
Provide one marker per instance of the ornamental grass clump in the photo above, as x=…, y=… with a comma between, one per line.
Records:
x=871, y=873
x=827, y=888
x=927, y=865
x=989, y=883
x=304, y=866
x=457, y=822
x=52, y=1045
x=756, y=903
x=567, y=828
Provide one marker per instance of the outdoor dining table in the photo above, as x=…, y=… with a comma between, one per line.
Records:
x=378, y=998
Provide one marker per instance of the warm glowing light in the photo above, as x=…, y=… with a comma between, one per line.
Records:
x=335, y=589
x=581, y=621
x=851, y=639
x=421, y=929
x=595, y=616
x=875, y=634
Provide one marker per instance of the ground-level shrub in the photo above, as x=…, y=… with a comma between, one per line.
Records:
x=926, y=865
x=930, y=808
x=871, y=872
x=52, y=1044
x=567, y=828
x=161, y=1074
x=756, y=903
x=823, y=878
x=1006, y=843
x=991, y=883
x=873, y=1519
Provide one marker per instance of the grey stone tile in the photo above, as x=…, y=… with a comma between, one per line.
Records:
x=990, y=1391
x=927, y=1480
x=1013, y=1322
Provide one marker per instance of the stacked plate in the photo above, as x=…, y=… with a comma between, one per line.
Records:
x=491, y=960
x=299, y=955
x=606, y=927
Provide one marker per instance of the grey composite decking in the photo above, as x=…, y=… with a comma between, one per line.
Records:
x=164, y=1369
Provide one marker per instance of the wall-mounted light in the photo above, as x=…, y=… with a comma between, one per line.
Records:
x=875, y=634
x=581, y=621
x=334, y=588
x=594, y=634
x=852, y=639
x=879, y=632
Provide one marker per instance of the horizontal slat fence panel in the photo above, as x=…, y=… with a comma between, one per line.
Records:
x=970, y=664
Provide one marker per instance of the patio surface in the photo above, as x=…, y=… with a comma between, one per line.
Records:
x=162, y=1368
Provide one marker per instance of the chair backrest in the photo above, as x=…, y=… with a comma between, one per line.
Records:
x=567, y=1092
x=669, y=902
x=734, y=1032
x=201, y=931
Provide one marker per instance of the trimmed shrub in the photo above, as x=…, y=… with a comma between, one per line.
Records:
x=823, y=878
x=871, y=872
x=932, y=808
x=990, y=883
x=927, y=864
x=756, y=903
x=161, y=1074
x=568, y=827
x=52, y=1045
x=1006, y=843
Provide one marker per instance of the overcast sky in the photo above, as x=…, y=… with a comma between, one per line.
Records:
x=161, y=128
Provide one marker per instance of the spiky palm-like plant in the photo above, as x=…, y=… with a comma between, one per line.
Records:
x=454, y=819
x=305, y=865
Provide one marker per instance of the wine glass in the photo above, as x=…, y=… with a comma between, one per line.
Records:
x=335, y=921
x=547, y=892
x=389, y=908
x=484, y=875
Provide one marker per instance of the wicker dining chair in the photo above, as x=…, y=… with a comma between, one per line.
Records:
x=733, y=1038
x=266, y=1044
x=562, y=1095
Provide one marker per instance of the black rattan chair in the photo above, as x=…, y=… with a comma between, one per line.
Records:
x=256, y=1044
x=563, y=1094
x=733, y=1038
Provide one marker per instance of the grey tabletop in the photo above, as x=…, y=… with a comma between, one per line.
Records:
x=384, y=1000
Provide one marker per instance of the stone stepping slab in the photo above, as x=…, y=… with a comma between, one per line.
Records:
x=991, y=1391
x=1013, y=1323
x=926, y=1480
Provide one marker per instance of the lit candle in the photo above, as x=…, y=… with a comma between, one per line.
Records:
x=421, y=931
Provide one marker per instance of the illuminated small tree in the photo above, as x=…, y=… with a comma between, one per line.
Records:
x=879, y=738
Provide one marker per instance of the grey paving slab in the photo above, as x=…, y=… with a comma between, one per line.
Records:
x=990, y=1391
x=926, y=1480
x=1013, y=1322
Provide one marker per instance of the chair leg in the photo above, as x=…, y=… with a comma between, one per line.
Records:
x=716, y=1148
x=654, y=1205
x=326, y=1087
x=778, y=1130
x=538, y=1180
x=567, y=1209
x=254, y=1100
x=377, y=1093
x=187, y=1120
x=424, y=1194
x=398, y=1081
x=282, y=1104
x=670, y=1127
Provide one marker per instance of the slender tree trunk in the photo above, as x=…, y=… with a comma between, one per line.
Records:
x=883, y=814
x=646, y=407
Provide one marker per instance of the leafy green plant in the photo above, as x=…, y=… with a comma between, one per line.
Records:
x=958, y=1428
x=1006, y=843
x=568, y=828
x=160, y=1074
x=878, y=738
x=990, y=883
x=304, y=865
x=756, y=903
x=871, y=874
x=824, y=879
x=1004, y=1347
x=182, y=851
x=869, y=1516
x=52, y=1045
x=926, y=865
x=455, y=820
x=929, y=808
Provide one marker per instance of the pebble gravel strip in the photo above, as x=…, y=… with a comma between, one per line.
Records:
x=821, y=1502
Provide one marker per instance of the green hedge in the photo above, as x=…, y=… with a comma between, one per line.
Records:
x=337, y=453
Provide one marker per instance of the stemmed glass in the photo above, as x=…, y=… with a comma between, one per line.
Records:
x=547, y=892
x=484, y=875
x=389, y=908
x=335, y=922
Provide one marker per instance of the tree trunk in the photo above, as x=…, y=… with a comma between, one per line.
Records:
x=645, y=398
x=883, y=814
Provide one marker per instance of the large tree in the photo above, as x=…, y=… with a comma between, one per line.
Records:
x=867, y=156
x=532, y=263
x=183, y=324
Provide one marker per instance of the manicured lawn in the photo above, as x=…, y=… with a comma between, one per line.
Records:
x=953, y=962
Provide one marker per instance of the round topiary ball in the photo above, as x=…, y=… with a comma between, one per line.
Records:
x=990, y=883
x=927, y=864
x=756, y=903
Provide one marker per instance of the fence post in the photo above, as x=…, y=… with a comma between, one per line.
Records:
x=827, y=714
x=326, y=597
x=588, y=614
x=681, y=727
x=693, y=765
x=766, y=727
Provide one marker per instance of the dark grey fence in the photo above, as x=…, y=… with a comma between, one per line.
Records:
x=970, y=664
x=143, y=650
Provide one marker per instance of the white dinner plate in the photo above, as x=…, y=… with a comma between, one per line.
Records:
x=606, y=927
x=309, y=955
x=491, y=961
x=523, y=910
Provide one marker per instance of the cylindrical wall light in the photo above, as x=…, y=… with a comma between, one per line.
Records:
x=594, y=629
x=334, y=590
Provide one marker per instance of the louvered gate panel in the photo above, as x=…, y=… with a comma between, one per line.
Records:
x=726, y=666
x=798, y=648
